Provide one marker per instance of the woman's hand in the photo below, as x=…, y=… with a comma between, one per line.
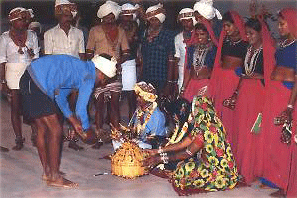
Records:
x=151, y=152
x=76, y=124
x=152, y=161
x=285, y=116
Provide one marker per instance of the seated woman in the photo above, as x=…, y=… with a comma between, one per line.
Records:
x=148, y=122
x=208, y=163
x=201, y=58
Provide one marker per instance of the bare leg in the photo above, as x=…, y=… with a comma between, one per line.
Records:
x=41, y=146
x=16, y=118
x=54, y=152
x=34, y=133
x=115, y=109
x=99, y=117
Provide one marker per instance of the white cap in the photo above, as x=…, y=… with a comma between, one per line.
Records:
x=62, y=2
x=107, y=8
x=187, y=13
x=206, y=9
x=106, y=66
x=160, y=16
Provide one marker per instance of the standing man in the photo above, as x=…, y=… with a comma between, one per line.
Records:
x=187, y=20
x=66, y=39
x=128, y=22
x=18, y=47
x=157, y=50
x=45, y=87
x=110, y=39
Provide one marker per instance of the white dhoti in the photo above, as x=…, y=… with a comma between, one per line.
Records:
x=13, y=74
x=129, y=75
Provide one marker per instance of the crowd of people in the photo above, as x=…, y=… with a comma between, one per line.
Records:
x=227, y=84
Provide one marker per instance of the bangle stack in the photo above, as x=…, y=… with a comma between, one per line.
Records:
x=290, y=106
x=160, y=150
x=189, y=152
x=164, y=158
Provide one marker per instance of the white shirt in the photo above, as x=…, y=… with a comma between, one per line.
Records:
x=180, y=52
x=57, y=42
x=9, y=50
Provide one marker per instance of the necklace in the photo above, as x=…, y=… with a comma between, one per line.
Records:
x=199, y=57
x=284, y=44
x=233, y=42
x=251, y=59
x=139, y=117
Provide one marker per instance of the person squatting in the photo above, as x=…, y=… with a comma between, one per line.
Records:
x=212, y=105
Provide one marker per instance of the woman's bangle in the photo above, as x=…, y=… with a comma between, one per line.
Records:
x=172, y=81
x=3, y=81
x=290, y=106
x=189, y=152
x=164, y=158
x=160, y=150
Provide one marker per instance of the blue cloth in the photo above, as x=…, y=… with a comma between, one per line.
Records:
x=155, y=56
x=287, y=57
x=57, y=75
x=155, y=126
x=209, y=58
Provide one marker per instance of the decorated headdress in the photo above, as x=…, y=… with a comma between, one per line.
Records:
x=187, y=13
x=19, y=13
x=146, y=91
x=206, y=9
x=105, y=65
x=107, y=8
x=156, y=11
x=65, y=7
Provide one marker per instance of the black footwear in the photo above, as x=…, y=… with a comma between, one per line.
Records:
x=73, y=145
x=98, y=144
x=3, y=149
x=19, y=143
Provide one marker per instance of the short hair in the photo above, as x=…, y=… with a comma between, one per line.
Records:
x=254, y=24
x=107, y=56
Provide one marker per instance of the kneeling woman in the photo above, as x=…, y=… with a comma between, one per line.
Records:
x=208, y=163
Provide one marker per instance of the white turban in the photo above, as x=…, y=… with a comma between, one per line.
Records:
x=187, y=13
x=106, y=66
x=206, y=9
x=35, y=24
x=159, y=15
x=62, y=2
x=129, y=9
x=107, y=8
x=15, y=13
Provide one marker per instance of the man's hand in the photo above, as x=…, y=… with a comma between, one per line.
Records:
x=76, y=124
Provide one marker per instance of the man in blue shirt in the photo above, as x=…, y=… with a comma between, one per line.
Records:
x=45, y=87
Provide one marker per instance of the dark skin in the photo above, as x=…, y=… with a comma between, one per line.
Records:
x=49, y=140
x=18, y=33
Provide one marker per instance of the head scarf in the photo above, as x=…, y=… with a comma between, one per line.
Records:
x=290, y=15
x=106, y=66
x=129, y=9
x=19, y=13
x=156, y=11
x=239, y=23
x=205, y=8
x=187, y=13
x=107, y=8
x=65, y=7
x=146, y=91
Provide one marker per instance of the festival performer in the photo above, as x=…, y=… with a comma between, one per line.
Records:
x=187, y=20
x=279, y=123
x=204, y=10
x=200, y=60
x=111, y=39
x=250, y=97
x=157, y=53
x=45, y=87
x=207, y=160
x=128, y=22
x=230, y=55
x=148, y=122
x=19, y=46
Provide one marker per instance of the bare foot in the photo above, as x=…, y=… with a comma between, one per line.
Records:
x=61, y=182
x=280, y=193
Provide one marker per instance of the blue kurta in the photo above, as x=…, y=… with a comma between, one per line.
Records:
x=57, y=75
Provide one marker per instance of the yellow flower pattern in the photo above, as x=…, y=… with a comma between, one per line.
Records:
x=216, y=170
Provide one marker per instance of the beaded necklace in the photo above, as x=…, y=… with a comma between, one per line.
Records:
x=139, y=117
x=251, y=59
x=284, y=44
x=199, y=56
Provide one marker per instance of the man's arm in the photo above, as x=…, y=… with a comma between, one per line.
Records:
x=61, y=99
